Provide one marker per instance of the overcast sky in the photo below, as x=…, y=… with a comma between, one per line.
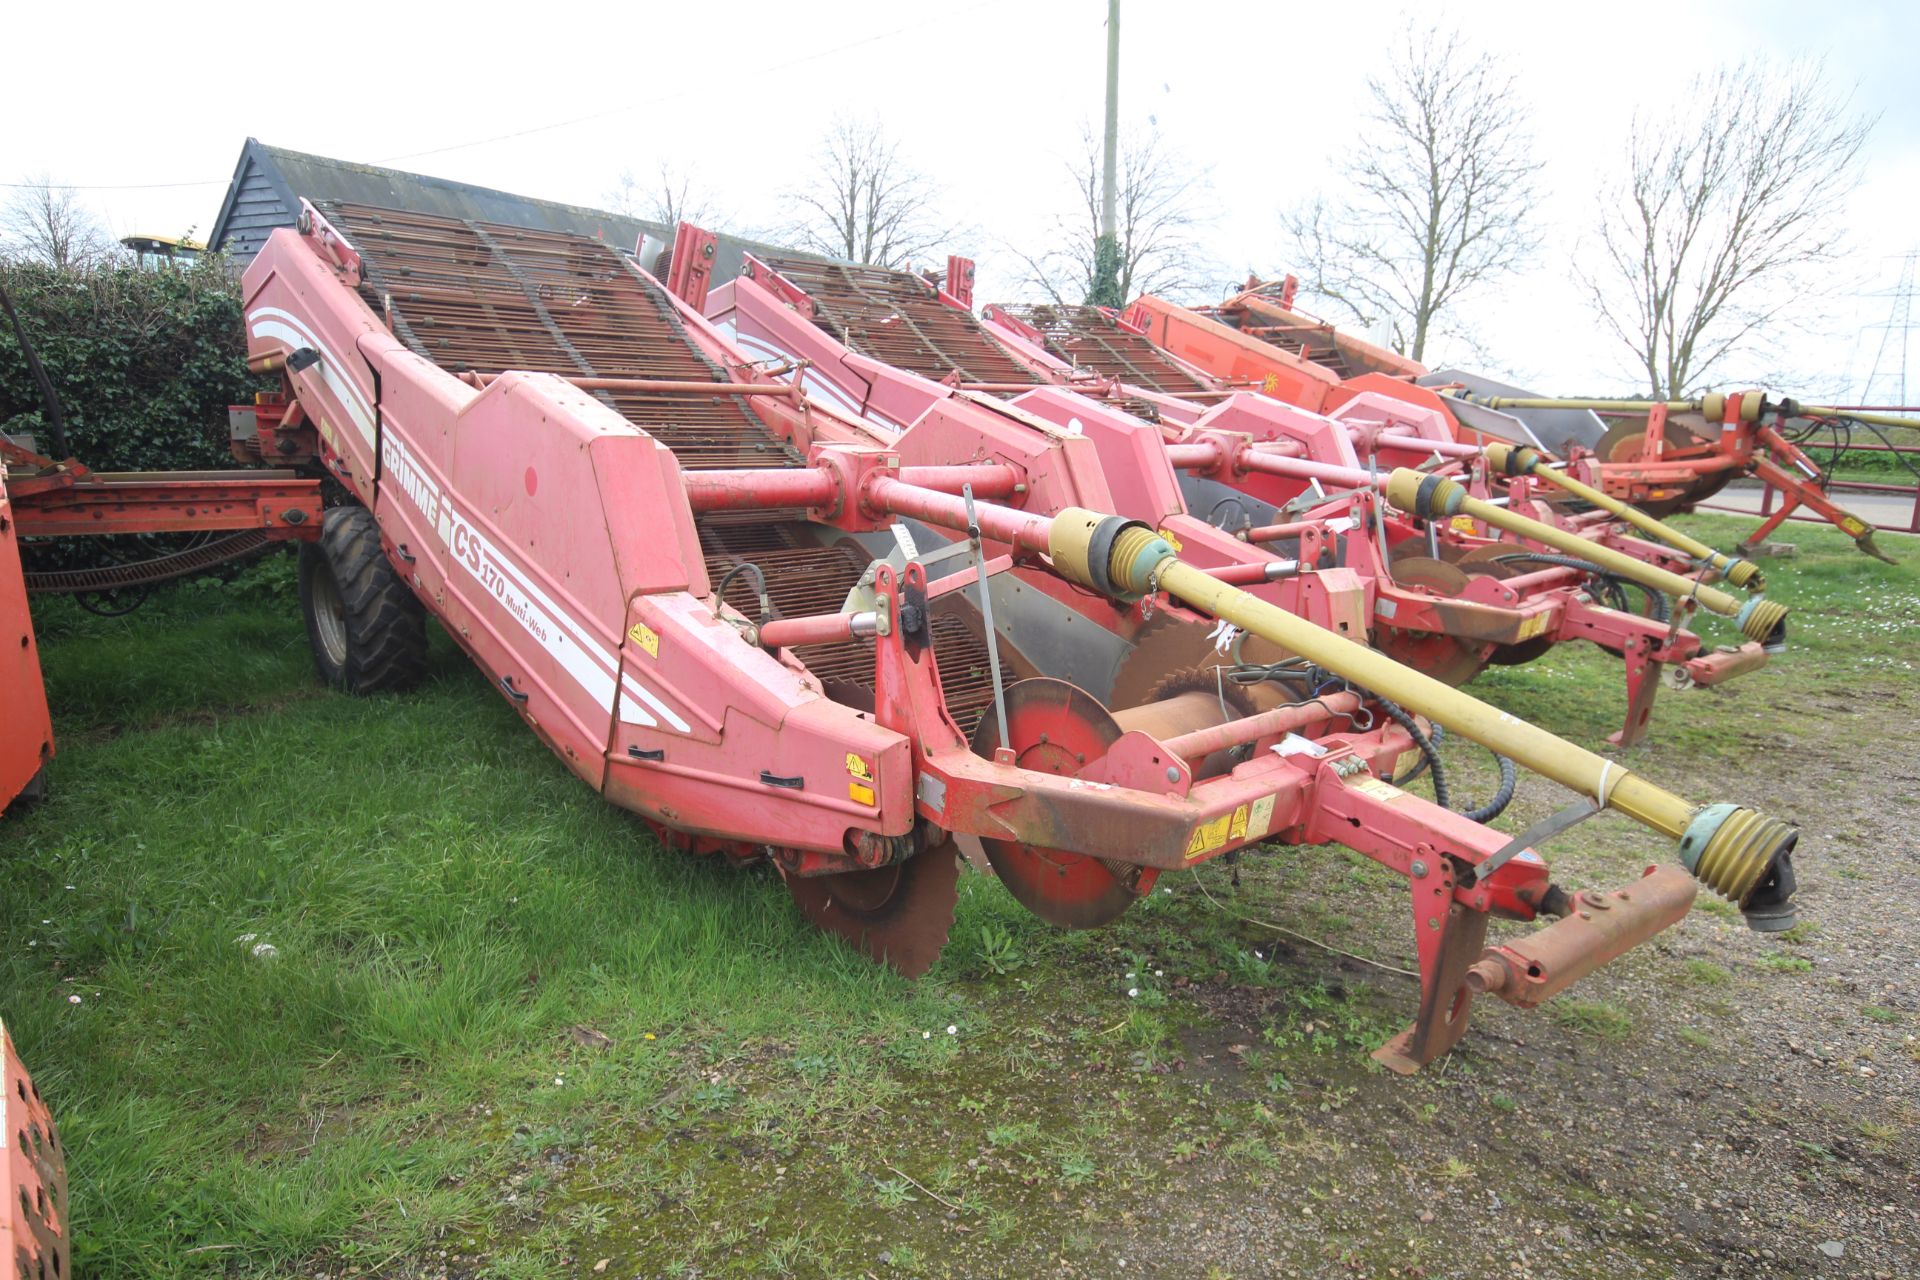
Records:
x=989, y=96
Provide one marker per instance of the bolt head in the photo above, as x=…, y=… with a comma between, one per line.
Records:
x=1173, y=773
x=1419, y=869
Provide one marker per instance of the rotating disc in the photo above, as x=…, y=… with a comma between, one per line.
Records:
x=1167, y=645
x=898, y=914
x=1449, y=659
x=1484, y=561
x=1622, y=443
x=1055, y=727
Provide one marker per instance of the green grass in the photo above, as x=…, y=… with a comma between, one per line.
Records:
x=1600, y=1018
x=446, y=902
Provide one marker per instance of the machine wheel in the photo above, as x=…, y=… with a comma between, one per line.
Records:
x=368, y=631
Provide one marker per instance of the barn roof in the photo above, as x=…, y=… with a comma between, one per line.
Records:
x=269, y=182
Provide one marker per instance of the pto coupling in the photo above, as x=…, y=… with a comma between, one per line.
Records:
x=1746, y=858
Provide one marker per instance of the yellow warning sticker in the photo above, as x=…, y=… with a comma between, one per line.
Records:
x=1261, y=818
x=860, y=792
x=1377, y=789
x=857, y=768
x=1533, y=626
x=1171, y=540
x=1238, y=831
x=1849, y=524
x=646, y=637
x=1209, y=836
x=1462, y=524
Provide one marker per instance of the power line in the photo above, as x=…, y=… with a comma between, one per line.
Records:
x=1899, y=320
x=621, y=109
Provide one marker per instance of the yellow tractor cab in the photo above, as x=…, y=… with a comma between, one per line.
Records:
x=153, y=252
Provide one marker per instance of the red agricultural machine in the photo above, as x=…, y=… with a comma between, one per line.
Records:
x=773, y=628
x=1660, y=456
x=1280, y=488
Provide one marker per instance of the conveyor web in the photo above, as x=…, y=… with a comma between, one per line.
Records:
x=896, y=317
x=491, y=298
x=1089, y=339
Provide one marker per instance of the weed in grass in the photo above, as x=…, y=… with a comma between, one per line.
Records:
x=1077, y=1169
x=1878, y=1134
x=1593, y=1017
x=891, y=1193
x=1781, y=962
x=1881, y=1014
x=1454, y=1169
x=1706, y=973
x=1698, y=1039
x=1801, y=934
x=1715, y=906
x=1012, y=1135
x=1504, y=1103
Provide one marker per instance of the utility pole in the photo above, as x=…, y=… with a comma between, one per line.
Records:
x=1106, y=251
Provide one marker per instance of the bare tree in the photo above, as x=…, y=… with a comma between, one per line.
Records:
x=865, y=203
x=1726, y=203
x=46, y=223
x=1160, y=220
x=1440, y=192
x=671, y=198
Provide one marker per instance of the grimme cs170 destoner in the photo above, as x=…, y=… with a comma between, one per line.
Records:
x=1439, y=593
x=701, y=588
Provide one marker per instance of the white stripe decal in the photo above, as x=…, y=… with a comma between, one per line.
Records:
x=651, y=699
x=343, y=390
x=565, y=640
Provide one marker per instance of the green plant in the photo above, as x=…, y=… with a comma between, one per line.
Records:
x=1594, y=1017
x=1781, y=962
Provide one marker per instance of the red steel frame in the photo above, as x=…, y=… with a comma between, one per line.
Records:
x=770, y=313
x=617, y=656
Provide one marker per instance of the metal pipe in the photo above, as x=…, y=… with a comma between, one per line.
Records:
x=1445, y=448
x=1000, y=524
x=993, y=480
x=1433, y=497
x=750, y=489
x=1248, y=575
x=1517, y=460
x=1141, y=560
x=659, y=385
x=823, y=628
x=1599, y=928
x=1202, y=743
x=1713, y=405
x=1275, y=532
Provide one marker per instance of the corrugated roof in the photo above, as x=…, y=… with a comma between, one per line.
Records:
x=269, y=182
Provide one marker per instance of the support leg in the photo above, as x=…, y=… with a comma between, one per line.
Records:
x=1643, y=683
x=1450, y=938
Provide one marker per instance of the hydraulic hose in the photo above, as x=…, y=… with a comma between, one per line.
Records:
x=1731, y=848
x=1656, y=601
x=1433, y=497
x=1518, y=460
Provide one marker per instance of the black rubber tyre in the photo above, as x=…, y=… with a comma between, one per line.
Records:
x=367, y=629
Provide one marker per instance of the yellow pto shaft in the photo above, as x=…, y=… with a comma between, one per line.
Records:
x=1437, y=498
x=1518, y=460
x=1730, y=848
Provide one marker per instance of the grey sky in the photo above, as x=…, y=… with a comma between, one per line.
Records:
x=987, y=95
